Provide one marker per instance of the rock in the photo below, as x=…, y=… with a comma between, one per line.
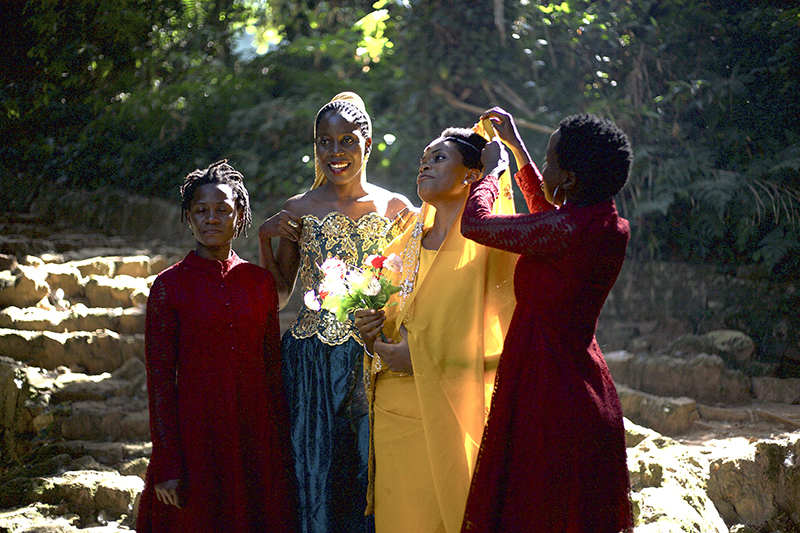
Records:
x=23, y=286
x=760, y=485
x=137, y=266
x=102, y=291
x=669, y=416
x=702, y=377
x=732, y=344
x=88, y=420
x=66, y=277
x=38, y=518
x=160, y=262
x=135, y=467
x=777, y=390
x=668, y=487
x=130, y=320
x=8, y=262
x=622, y=365
x=14, y=391
x=87, y=492
x=93, y=353
x=95, y=266
x=131, y=369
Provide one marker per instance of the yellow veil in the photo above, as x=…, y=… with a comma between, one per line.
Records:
x=456, y=309
x=352, y=98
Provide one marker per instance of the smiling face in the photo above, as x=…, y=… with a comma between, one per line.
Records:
x=340, y=146
x=213, y=217
x=442, y=173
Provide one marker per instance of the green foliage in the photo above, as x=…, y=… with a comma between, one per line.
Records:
x=136, y=93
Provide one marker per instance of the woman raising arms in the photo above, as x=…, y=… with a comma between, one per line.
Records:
x=342, y=216
x=553, y=453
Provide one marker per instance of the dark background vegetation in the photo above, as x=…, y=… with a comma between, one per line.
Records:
x=134, y=94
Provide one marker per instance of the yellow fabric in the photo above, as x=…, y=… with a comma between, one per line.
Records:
x=456, y=318
x=353, y=98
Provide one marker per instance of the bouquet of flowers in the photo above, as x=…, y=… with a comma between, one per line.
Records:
x=344, y=289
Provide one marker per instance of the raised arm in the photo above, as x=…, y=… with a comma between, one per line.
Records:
x=546, y=232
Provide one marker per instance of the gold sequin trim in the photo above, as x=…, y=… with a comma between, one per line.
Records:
x=336, y=235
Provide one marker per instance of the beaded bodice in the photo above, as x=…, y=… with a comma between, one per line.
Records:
x=336, y=235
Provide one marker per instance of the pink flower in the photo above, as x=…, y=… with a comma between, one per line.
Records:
x=393, y=263
x=333, y=267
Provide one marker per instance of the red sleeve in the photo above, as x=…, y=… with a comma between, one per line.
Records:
x=161, y=357
x=546, y=231
x=529, y=180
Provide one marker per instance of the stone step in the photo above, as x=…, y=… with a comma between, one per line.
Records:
x=78, y=317
x=27, y=286
x=89, y=352
x=22, y=245
x=93, y=497
x=119, y=418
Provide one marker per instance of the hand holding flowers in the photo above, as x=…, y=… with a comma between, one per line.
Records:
x=344, y=289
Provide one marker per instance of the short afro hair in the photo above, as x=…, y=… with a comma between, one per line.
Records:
x=597, y=152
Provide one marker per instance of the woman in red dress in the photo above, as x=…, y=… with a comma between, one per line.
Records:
x=221, y=457
x=553, y=454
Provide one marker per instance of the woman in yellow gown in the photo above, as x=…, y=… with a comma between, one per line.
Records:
x=430, y=382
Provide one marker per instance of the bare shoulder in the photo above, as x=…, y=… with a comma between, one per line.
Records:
x=300, y=204
x=395, y=202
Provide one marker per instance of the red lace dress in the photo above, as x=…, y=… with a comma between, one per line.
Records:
x=553, y=452
x=217, y=415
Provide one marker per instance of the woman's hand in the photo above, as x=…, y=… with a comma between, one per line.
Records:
x=494, y=159
x=168, y=492
x=369, y=323
x=396, y=355
x=281, y=224
x=503, y=123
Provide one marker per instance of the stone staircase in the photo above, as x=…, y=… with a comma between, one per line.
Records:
x=74, y=425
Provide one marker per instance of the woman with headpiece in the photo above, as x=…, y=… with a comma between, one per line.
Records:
x=346, y=217
x=432, y=377
x=553, y=454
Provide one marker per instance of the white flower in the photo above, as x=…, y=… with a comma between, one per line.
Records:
x=373, y=287
x=333, y=285
x=310, y=299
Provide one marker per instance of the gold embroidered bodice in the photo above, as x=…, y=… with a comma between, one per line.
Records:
x=336, y=235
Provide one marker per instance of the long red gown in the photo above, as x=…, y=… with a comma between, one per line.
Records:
x=217, y=415
x=553, y=453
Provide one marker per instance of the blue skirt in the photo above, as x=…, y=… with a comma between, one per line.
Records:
x=329, y=417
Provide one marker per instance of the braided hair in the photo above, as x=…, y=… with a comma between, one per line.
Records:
x=218, y=173
x=597, y=152
x=468, y=143
x=351, y=112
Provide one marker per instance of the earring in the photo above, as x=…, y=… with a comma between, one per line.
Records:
x=464, y=183
x=555, y=193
